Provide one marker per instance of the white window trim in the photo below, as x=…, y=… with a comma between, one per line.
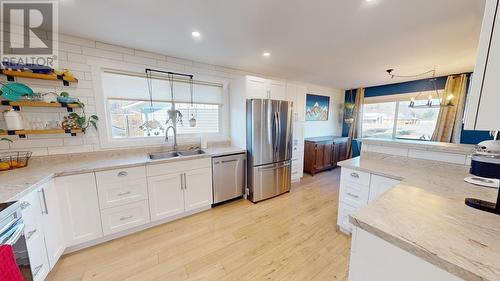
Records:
x=397, y=99
x=98, y=66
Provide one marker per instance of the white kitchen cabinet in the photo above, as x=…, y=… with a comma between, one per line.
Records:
x=79, y=208
x=38, y=258
x=357, y=189
x=375, y=259
x=166, y=196
x=124, y=217
x=261, y=88
x=482, y=106
x=197, y=189
x=380, y=185
x=52, y=223
x=33, y=233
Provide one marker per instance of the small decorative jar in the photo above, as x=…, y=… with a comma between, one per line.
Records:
x=13, y=120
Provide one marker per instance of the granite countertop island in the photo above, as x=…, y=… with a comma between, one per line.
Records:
x=426, y=216
x=14, y=184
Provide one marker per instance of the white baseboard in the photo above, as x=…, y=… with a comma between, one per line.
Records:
x=131, y=231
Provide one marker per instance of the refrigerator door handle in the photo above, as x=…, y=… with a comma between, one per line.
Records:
x=278, y=143
x=276, y=132
x=275, y=167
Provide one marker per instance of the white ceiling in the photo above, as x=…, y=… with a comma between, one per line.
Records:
x=337, y=43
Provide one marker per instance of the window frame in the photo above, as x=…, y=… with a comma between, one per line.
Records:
x=106, y=140
x=398, y=98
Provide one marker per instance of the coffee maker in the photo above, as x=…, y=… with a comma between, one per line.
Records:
x=485, y=166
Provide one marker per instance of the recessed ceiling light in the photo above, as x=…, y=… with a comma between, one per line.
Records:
x=266, y=54
x=196, y=34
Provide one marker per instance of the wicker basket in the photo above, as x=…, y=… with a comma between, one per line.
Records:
x=14, y=160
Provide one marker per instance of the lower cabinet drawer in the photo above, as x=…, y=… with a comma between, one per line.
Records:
x=121, y=218
x=354, y=194
x=120, y=193
x=355, y=176
x=343, y=217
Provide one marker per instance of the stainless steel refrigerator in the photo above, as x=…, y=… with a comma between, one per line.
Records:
x=269, y=146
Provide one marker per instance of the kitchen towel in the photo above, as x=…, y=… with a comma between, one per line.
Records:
x=9, y=271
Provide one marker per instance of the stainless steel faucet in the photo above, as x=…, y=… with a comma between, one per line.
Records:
x=176, y=147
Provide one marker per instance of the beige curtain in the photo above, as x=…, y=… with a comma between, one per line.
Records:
x=449, y=124
x=355, y=128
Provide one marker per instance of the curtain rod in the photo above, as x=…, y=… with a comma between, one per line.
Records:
x=169, y=72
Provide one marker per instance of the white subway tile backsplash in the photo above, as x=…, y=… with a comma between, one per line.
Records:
x=114, y=48
x=70, y=149
x=70, y=48
x=150, y=55
x=76, y=40
x=102, y=53
x=78, y=140
x=179, y=60
x=23, y=144
x=140, y=60
x=77, y=58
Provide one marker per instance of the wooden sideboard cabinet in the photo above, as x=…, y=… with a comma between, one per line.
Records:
x=323, y=153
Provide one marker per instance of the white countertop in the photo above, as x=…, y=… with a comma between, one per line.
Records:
x=16, y=183
x=422, y=145
x=426, y=215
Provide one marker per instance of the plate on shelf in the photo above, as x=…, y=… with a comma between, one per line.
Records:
x=14, y=91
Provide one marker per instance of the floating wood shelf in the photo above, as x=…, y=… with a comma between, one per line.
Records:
x=23, y=133
x=16, y=105
x=52, y=76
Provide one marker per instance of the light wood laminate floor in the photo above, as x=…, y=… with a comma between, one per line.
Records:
x=290, y=237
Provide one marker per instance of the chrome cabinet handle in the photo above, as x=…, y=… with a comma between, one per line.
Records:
x=182, y=181
x=37, y=269
x=122, y=174
x=126, y=218
x=30, y=234
x=124, y=193
x=185, y=184
x=24, y=205
x=355, y=175
x=352, y=195
x=228, y=161
x=45, y=211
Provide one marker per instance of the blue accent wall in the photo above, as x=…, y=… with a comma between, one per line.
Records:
x=467, y=137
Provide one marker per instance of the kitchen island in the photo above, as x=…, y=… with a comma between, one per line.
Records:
x=420, y=229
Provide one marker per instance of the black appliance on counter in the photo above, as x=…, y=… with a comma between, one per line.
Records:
x=485, y=165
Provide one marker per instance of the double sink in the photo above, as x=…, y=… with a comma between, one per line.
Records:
x=174, y=154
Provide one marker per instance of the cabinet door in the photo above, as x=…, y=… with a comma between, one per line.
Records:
x=320, y=156
x=379, y=185
x=197, y=189
x=328, y=155
x=257, y=87
x=482, y=104
x=52, y=224
x=38, y=258
x=166, y=196
x=277, y=90
x=79, y=208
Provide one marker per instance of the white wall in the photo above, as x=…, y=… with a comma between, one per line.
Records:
x=332, y=127
x=77, y=55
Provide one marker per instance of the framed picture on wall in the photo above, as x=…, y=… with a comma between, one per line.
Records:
x=317, y=107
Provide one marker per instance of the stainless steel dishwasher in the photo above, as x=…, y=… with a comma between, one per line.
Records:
x=229, y=176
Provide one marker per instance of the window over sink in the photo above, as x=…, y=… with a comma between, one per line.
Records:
x=128, y=105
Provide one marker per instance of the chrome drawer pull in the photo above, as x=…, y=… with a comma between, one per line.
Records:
x=126, y=218
x=352, y=195
x=30, y=234
x=24, y=205
x=37, y=269
x=124, y=193
x=122, y=174
x=355, y=175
